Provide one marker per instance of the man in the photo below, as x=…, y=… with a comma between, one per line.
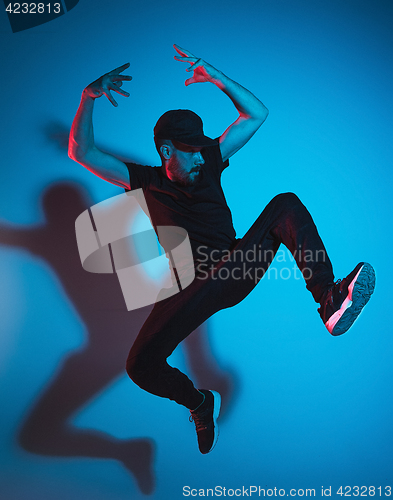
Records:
x=186, y=192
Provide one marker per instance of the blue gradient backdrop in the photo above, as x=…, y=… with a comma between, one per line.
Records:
x=310, y=410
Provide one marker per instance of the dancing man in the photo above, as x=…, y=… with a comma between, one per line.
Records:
x=185, y=191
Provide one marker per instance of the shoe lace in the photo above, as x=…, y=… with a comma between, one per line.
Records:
x=333, y=284
x=199, y=419
x=330, y=293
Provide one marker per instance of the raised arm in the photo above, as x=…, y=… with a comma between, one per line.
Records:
x=252, y=113
x=81, y=147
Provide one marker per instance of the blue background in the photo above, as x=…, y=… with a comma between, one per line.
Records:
x=303, y=409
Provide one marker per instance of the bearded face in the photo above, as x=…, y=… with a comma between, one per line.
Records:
x=184, y=165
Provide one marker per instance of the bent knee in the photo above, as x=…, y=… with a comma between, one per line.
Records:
x=287, y=199
x=136, y=368
x=142, y=369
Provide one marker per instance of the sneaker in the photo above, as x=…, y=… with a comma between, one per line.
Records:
x=205, y=419
x=345, y=299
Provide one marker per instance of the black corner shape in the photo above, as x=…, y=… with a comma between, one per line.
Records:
x=26, y=15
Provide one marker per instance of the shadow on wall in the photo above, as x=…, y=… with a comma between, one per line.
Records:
x=111, y=330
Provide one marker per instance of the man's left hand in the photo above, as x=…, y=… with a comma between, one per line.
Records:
x=203, y=72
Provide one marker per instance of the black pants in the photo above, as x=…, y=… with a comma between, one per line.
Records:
x=284, y=220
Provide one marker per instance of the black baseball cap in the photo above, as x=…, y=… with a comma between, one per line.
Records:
x=184, y=126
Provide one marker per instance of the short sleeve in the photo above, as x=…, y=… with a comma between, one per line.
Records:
x=213, y=158
x=140, y=175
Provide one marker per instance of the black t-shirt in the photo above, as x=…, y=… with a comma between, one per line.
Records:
x=200, y=209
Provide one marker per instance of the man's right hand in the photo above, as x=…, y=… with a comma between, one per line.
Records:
x=110, y=81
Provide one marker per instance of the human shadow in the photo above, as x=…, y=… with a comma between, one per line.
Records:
x=111, y=330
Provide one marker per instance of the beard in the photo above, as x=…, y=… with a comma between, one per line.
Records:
x=182, y=176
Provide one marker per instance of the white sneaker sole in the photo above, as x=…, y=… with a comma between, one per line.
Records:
x=359, y=293
x=216, y=413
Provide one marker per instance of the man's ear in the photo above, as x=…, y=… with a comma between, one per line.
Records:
x=166, y=151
